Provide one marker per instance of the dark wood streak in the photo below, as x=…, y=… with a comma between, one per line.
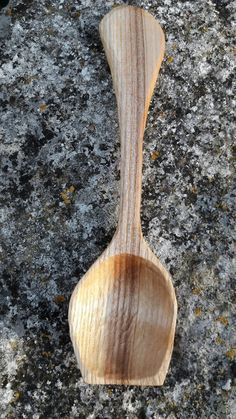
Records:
x=124, y=292
x=130, y=276
x=133, y=98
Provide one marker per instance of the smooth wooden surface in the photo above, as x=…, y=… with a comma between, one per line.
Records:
x=134, y=44
x=122, y=313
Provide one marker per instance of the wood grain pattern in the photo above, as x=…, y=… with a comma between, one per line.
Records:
x=122, y=313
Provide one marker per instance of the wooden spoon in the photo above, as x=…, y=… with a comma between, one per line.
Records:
x=122, y=313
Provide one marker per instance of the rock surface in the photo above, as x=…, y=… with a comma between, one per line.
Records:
x=59, y=203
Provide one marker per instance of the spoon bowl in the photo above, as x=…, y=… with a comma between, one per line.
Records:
x=121, y=317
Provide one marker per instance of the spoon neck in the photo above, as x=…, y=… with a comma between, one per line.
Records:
x=131, y=179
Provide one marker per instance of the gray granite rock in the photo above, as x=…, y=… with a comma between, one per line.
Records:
x=60, y=194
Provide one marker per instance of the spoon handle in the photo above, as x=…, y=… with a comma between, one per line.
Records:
x=134, y=44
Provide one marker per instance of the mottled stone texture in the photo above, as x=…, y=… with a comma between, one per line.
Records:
x=60, y=194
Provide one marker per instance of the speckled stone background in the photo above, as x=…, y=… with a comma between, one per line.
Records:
x=60, y=195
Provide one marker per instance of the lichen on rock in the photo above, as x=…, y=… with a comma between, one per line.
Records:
x=60, y=193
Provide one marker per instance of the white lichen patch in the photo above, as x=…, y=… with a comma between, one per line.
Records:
x=11, y=358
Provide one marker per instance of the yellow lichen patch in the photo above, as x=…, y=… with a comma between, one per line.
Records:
x=223, y=320
x=43, y=107
x=223, y=206
x=46, y=354
x=200, y=386
x=155, y=154
x=219, y=340
x=9, y=11
x=59, y=299
x=194, y=189
x=65, y=198
x=234, y=50
x=66, y=194
x=204, y=29
x=14, y=344
x=29, y=79
x=198, y=312
x=196, y=291
x=162, y=115
x=231, y=354
x=51, y=31
x=17, y=395
x=170, y=59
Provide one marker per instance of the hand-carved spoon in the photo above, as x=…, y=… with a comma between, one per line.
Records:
x=122, y=313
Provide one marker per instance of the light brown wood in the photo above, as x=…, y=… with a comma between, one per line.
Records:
x=122, y=313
